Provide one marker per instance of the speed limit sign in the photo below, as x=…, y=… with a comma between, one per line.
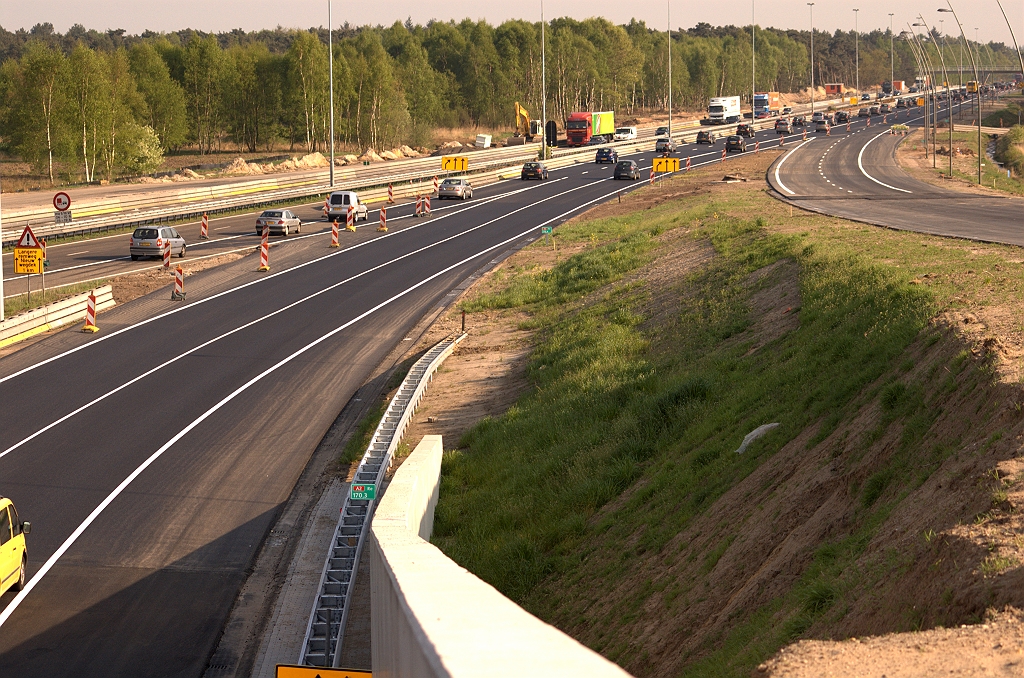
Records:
x=62, y=202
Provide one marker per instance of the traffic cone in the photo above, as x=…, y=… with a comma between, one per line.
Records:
x=782, y=140
x=391, y=195
x=805, y=134
x=757, y=147
x=426, y=205
x=350, y=219
x=265, y=250
x=723, y=155
x=383, y=228
x=90, y=315
x=687, y=163
x=652, y=176
x=204, y=229
x=167, y=254
x=179, y=285
x=327, y=208
x=419, y=205
x=334, y=233
x=435, y=185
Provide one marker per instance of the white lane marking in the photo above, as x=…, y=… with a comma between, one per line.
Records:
x=91, y=518
x=860, y=164
x=257, y=281
x=272, y=314
x=784, y=159
x=75, y=254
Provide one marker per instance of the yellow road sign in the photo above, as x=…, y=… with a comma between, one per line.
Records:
x=454, y=163
x=854, y=101
x=666, y=165
x=28, y=260
x=920, y=101
x=287, y=671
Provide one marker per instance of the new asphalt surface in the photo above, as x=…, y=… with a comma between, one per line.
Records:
x=855, y=175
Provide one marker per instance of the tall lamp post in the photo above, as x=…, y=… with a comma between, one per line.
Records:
x=974, y=65
x=892, y=53
x=753, y=63
x=811, y=5
x=543, y=89
x=668, y=17
x=932, y=99
x=926, y=67
x=921, y=68
x=1020, y=56
x=856, y=47
x=949, y=99
x=330, y=74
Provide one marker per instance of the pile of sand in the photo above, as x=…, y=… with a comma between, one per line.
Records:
x=370, y=155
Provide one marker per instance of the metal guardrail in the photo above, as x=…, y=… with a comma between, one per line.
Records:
x=322, y=643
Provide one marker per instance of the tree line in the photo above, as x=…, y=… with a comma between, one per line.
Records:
x=102, y=105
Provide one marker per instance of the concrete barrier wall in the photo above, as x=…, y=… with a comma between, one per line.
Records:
x=431, y=617
x=28, y=324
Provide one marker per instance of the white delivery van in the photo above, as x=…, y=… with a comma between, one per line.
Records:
x=338, y=203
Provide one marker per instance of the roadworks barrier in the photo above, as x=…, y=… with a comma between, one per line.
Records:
x=30, y=323
x=432, y=617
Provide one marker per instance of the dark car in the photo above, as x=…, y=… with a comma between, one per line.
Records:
x=745, y=130
x=597, y=141
x=874, y=110
x=627, y=169
x=706, y=137
x=783, y=127
x=661, y=132
x=842, y=117
x=735, y=143
x=799, y=121
x=665, y=145
x=902, y=103
x=884, y=108
x=534, y=170
x=606, y=155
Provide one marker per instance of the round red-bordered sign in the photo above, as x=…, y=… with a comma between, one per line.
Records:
x=62, y=202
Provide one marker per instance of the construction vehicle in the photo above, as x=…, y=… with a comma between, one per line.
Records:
x=524, y=126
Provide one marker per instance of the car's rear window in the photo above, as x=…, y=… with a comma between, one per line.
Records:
x=531, y=165
x=625, y=164
x=145, y=233
x=451, y=182
x=339, y=199
x=271, y=214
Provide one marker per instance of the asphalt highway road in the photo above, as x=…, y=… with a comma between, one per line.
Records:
x=855, y=175
x=153, y=458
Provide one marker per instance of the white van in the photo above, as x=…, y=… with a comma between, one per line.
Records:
x=338, y=203
x=625, y=134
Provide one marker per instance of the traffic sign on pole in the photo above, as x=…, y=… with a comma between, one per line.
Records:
x=454, y=163
x=28, y=254
x=62, y=202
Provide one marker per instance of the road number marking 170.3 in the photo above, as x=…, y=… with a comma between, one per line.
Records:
x=364, y=491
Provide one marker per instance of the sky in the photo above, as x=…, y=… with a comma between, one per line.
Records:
x=136, y=16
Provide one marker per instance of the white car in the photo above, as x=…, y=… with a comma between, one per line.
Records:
x=625, y=133
x=339, y=202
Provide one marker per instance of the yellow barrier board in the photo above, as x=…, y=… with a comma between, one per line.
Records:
x=28, y=260
x=288, y=671
x=920, y=101
x=854, y=101
x=666, y=165
x=454, y=163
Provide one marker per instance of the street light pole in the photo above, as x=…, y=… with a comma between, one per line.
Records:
x=330, y=72
x=544, y=90
x=922, y=68
x=949, y=99
x=753, y=63
x=892, y=54
x=856, y=47
x=1020, y=57
x=811, y=5
x=930, y=99
x=668, y=17
x=974, y=65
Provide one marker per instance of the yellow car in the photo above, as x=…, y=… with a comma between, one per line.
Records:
x=13, y=553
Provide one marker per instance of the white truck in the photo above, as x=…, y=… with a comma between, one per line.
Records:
x=625, y=133
x=338, y=204
x=723, y=110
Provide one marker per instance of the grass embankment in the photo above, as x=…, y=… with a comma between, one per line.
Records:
x=573, y=502
x=21, y=303
x=965, y=167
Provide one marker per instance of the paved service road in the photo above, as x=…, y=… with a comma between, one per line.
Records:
x=854, y=175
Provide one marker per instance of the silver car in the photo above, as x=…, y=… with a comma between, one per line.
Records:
x=278, y=221
x=455, y=188
x=149, y=241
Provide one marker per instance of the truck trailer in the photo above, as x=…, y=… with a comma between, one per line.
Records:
x=767, y=104
x=723, y=110
x=580, y=128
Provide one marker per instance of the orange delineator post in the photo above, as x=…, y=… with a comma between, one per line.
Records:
x=757, y=147
x=327, y=207
x=350, y=219
x=334, y=233
x=805, y=134
x=204, y=229
x=391, y=195
x=426, y=205
x=90, y=315
x=383, y=228
x=724, y=151
x=265, y=250
x=687, y=163
x=782, y=140
x=179, y=285
x=167, y=254
x=435, y=185
x=652, y=176
x=419, y=205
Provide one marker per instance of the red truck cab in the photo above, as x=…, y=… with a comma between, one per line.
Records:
x=577, y=129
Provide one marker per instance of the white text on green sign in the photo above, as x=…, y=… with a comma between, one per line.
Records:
x=364, y=491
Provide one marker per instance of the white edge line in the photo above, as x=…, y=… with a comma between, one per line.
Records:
x=860, y=164
x=784, y=159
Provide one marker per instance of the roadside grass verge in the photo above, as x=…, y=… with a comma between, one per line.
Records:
x=966, y=167
x=21, y=303
x=629, y=433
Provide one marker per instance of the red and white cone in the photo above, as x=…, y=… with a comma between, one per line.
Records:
x=687, y=163
x=265, y=250
x=883, y=119
x=90, y=315
x=179, y=285
x=723, y=155
x=847, y=126
x=391, y=195
x=350, y=219
x=167, y=254
x=805, y=134
x=435, y=184
x=334, y=233
x=868, y=123
x=652, y=176
x=419, y=205
x=757, y=147
x=204, y=229
x=327, y=208
x=383, y=228
x=426, y=205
